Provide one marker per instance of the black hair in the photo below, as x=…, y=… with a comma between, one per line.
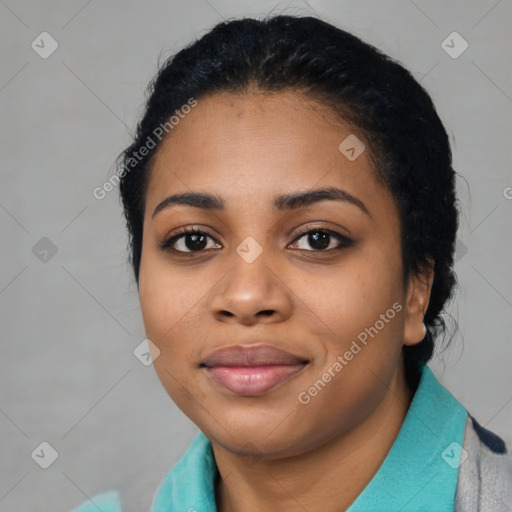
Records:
x=363, y=86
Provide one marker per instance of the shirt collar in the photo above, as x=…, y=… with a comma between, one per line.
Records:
x=421, y=469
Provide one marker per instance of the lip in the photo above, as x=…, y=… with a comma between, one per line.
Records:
x=252, y=369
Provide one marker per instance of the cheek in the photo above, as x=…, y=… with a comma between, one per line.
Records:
x=167, y=297
x=170, y=306
x=342, y=300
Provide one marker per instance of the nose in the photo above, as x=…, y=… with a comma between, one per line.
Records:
x=251, y=293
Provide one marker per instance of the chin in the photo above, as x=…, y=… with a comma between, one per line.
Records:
x=256, y=436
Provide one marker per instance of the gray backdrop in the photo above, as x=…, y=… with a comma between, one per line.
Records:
x=69, y=308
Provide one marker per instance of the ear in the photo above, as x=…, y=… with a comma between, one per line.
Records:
x=416, y=304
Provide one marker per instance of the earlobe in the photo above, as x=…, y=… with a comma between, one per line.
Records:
x=417, y=300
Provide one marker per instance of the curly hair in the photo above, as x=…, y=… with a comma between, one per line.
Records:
x=408, y=143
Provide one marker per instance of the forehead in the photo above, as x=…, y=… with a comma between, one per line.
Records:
x=257, y=145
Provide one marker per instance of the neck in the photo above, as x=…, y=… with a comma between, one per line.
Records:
x=337, y=471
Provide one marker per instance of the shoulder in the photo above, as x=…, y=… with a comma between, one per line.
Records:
x=485, y=474
x=108, y=501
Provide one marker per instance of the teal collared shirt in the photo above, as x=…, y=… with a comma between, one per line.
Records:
x=419, y=472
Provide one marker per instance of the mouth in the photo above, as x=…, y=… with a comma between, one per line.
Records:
x=250, y=370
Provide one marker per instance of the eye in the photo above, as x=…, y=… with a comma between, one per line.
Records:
x=322, y=240
x=193, y=240
x=189, y=241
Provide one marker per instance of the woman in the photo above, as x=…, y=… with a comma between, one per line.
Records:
x=291, y=206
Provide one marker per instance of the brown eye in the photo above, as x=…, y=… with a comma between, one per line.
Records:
x=189, y=241
x=319, y=240
x=322, y=241
x=195, y=241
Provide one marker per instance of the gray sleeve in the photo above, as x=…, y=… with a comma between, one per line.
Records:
x=485, y=476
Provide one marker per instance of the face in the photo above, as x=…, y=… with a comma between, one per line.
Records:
x=280, y=319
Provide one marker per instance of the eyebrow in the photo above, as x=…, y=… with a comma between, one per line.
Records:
x=291, y=201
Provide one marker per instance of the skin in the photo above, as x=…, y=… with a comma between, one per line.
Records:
x=270, y=449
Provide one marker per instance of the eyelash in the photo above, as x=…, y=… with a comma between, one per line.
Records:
x=344, y=242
